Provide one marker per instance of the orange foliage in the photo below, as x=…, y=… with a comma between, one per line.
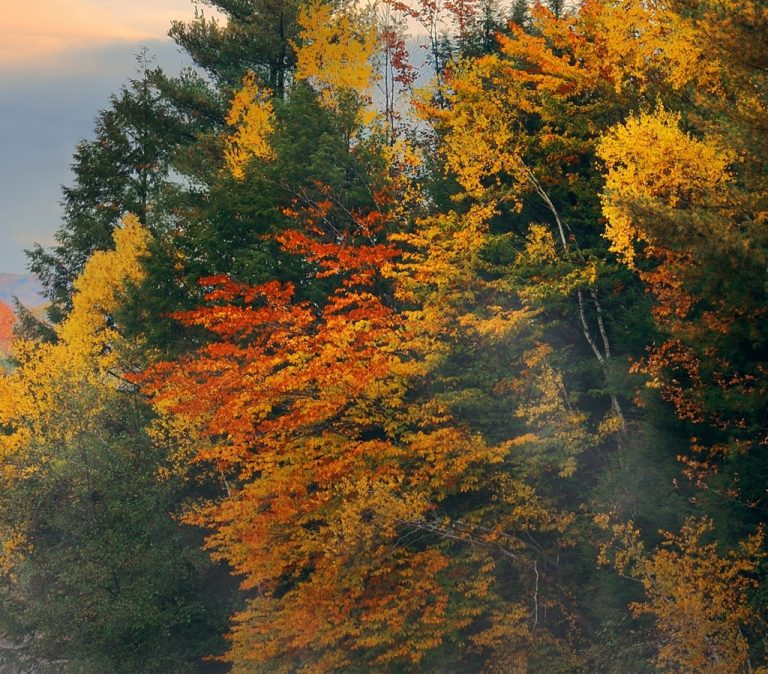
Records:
x=330, y=462
x=332, y=432
x=698, y=597
x=7, y=321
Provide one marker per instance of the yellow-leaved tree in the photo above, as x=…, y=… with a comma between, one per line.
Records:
x=698, y=595
x=85, y=516
x=334, y=54
x=653, y=165
x=251, y=114
x=88, y=357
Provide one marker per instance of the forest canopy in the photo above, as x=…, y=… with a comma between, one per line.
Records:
x=373, y=353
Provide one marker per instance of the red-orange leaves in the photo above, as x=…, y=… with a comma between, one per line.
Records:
x=362, y=263
x=335, y=459
x=356, y=252
x=309, y=423
x=7, y=321
x=264, y=311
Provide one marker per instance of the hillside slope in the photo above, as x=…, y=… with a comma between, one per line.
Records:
x=24, y=286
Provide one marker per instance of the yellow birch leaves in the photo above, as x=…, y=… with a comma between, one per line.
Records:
x=106, y=275
x=651, y=161
x=59, y=391
x=251, y=113
x=335, y=53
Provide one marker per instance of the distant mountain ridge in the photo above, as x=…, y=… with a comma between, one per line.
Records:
x=26, y=287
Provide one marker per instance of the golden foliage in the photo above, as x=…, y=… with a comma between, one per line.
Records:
x=334, y=53
x=59, y=391
x=88, y=330
x=652, y=163
x=564, y=73
x=637, y=46
x=698, y=597
x=251, y=113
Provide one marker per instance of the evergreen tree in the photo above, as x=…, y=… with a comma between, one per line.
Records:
x=257, y=35
x=124, y=169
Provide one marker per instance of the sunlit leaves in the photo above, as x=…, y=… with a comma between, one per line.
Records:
x=87, y=356
x=697, y=595
x=252, y=116
x=335, y=52
x=88, y=330
x=653, y=164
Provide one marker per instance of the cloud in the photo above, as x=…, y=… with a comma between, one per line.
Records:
x=36, y=31
x=59, y=62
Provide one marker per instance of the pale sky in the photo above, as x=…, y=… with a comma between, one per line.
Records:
x=34, y=31
x=59, y=62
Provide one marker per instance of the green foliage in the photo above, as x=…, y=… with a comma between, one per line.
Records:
x=124, y=169
x=112, y=582
x=562, y=364
x=256, y=35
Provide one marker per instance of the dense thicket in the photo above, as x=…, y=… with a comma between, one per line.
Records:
x=462, y=379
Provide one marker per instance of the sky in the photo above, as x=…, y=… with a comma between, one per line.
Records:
x=59, y=62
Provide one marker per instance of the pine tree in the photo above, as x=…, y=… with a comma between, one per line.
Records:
x=124, y=169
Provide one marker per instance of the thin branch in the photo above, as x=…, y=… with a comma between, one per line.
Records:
x=457, y=531
x=603, y=357
x=536, y=595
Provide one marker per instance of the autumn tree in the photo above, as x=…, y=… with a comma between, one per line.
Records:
x=7, y=321
x=95, y=571
x=684, y=196
x=698, y=595
x=363, y=477
x=372, y=526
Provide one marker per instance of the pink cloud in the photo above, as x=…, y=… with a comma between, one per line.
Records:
x=37, y=30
